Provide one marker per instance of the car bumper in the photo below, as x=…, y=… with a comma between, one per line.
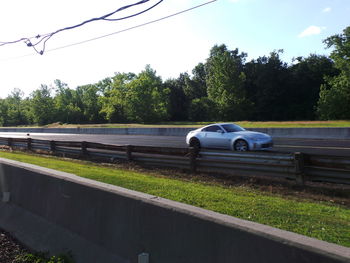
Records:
x=260, y=145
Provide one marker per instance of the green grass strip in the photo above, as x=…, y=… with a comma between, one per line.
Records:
x=323, y=221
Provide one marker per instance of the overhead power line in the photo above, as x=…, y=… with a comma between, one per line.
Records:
x=125, y=30
x=133, y=27
x=38, y=39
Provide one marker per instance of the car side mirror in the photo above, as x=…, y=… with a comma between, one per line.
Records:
x=220, y=131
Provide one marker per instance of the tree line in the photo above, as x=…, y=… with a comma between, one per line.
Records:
x=225, y=87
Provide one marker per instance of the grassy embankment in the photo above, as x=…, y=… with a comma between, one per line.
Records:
x=245, y=124
x=321, y=220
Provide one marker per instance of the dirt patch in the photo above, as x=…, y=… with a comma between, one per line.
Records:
x=321, y=192
x=10, y=248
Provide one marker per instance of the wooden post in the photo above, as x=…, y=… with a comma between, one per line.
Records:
x=84, y=151
x=29, y=144
x=299, y=168
x=52, y=146
x=128, y=152
x=10, y=142
x=193, y=157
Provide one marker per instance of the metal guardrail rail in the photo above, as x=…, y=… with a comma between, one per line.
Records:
x=296, y=166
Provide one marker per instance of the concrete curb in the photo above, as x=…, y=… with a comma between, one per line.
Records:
x=56, y=211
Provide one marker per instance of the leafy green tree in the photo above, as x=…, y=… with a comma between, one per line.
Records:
x=334, y=101
x=196, y=86
x=89, y=102
x=178, y=101
x=66, y=108
x=3, y=112
x=14, y=114
x=146, y=98
x=105, y=85
x=14, y=109
x=202, y=109
x=225, y=82
x=113, y=102
x=42, y=107
x=268, y=87
x=307, y=75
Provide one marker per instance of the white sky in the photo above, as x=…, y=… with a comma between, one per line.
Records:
x=171, y=46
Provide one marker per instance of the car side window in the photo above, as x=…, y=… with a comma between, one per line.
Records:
x=213, y=128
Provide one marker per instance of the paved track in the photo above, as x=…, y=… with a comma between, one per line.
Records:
x=314, y=146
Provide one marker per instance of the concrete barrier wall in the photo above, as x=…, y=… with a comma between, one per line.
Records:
x=123, y=131
x=317, y=133
x=57, y=212
x=320, y=133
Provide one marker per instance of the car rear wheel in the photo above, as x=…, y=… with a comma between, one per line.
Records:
x=195, y=143
x=241, y=146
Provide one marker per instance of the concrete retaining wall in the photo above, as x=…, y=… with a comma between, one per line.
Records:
x=317, y=133
x=123, y=131
x=55, y=211
x=331, y=133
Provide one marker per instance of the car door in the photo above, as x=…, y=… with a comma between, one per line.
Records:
x=213, y=137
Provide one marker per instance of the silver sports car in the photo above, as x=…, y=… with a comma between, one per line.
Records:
x=228, y=136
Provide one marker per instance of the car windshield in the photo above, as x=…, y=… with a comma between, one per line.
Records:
x=232, y=128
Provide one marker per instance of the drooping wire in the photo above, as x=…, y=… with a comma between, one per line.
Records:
x=45, y=37
x=123, y=30
x=134, y=27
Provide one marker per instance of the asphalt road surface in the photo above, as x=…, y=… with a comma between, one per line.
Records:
x=313, y=146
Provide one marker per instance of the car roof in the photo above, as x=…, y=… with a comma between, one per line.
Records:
x=223, y=123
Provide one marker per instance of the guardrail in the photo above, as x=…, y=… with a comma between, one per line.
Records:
x=295, y=166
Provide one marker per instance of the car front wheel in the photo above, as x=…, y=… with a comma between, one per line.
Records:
x=241, y=146
x=195, y=143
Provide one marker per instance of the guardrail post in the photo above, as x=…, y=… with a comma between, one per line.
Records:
x=193, y=156
x=52, y=146
x=29, y=144
x=84, y=151
x=299, y=168
x=128, y=152
x=9, y=142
